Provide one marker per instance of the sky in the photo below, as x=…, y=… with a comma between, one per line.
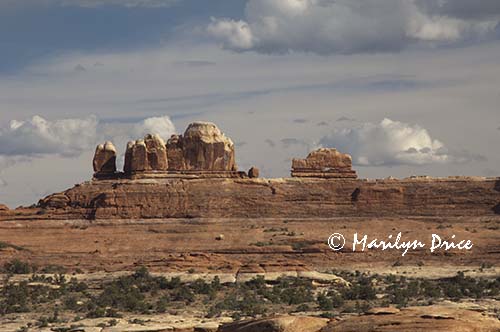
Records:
x=407, y=87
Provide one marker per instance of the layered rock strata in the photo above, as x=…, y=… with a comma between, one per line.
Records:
x=275, y=198
x=324, y=163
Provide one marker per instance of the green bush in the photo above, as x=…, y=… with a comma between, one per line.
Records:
x=324, y=302
x=16, y=266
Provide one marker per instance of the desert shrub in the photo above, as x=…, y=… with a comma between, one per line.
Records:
x=162, y=304
x=15, y=298
x=16, y=266
x=213, y=311
x=291, y=291
x=75, y=286
x=324, y=302
x=361, y=290
x=430, y=289
x=122, y=294
x=240, y=300
x=199, y=286
x=71, y=303
x=183, y=293
x=302, y=308
x=336, y=298
x=250, y=305
x=257, y=283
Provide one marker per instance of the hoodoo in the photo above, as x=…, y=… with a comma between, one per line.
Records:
x=104, y=159
x=148, y=154
x=203, y=147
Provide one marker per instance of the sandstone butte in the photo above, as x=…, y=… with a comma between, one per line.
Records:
x=195, y=175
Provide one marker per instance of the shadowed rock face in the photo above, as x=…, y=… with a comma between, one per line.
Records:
x=105, y=159
x=327, y=163
x=203, y=147
x=277, y=324
x=413, y=319
x=148, y=154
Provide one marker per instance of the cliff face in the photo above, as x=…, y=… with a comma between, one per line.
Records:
x=275, y=198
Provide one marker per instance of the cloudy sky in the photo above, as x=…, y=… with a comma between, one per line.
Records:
x=405, y=86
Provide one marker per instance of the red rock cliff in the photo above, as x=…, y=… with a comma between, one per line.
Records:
x=266, y=198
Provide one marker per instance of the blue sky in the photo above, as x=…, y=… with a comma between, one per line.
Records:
x=31, y=32
x=405, y=86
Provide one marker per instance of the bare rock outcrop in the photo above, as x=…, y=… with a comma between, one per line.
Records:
x=203, y=147
x=253, y=173
x=324, y=163
x=105, y=159
x=425, y=318
x=55, y=201
x=4, y=207
x=277, y=324
x=175, y=153
x=148, y=154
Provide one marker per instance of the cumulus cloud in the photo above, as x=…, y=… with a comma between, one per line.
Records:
x=392, y=143
x=38, y=136
x=343, y=26
x=162, y=126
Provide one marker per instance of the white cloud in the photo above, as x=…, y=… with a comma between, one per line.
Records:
x=162, y=126
x=22, y=141
x=391, y=143
x=38, y=136
x=340, y=26
x=233, y=34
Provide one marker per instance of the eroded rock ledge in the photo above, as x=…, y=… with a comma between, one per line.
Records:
x=274, y=198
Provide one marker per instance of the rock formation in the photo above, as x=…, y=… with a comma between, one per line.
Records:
x=194, y=175
x=145, y=155
x=175, y=153
x=203, y=147
x=276, y=198
x=324, y=163
x=105, y=159
x=277, y=324
x=253, y=172
x=425, y=318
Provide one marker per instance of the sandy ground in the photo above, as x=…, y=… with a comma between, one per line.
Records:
x=249, y=245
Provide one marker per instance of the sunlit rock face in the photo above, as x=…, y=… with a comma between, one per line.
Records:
x=148, y=154
x=104, y=161
x=327, y=163
x=203, y=147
